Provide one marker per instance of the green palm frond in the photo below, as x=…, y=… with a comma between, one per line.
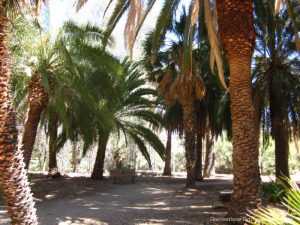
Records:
x=275, y=216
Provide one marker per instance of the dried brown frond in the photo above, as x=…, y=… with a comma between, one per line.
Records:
x=165, y=82
x=136, y=17
x=199, y=87
x=215, y=52
x=79, y=4
x=195, y=12
x=278, y=4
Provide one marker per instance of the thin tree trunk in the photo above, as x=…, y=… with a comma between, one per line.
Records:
x=38, y=99
x=167, y=169
x=52, y=127
x=296, y=142
x=189, y=117
x=237, y=36
x=98, y=170
x=209, y=166
x=74, y=156
x=13, y=178
x=198, y=167
x=281, y=145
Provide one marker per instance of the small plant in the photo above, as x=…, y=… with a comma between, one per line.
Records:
x=273, y=192
x=275, y=216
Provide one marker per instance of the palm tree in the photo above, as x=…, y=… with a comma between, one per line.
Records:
x=123, y=104
x=13, y=178
x=132, y=109
x=174, y=80
x=276, y=84
x=237, y=37
x=174, y=123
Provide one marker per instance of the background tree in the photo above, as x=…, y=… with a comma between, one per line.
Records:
x=276, y=84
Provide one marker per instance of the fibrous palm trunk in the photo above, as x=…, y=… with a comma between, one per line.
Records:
x=237, y=35
x=281, y=141
x=198, y=167
x=98, y=170
x=189, y=118
x=13, y=178
x=52, y=128
x=167, y=168
x=38, y=99
x=209, y=165
x=74, y=156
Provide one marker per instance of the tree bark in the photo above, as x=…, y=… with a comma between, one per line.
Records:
x=281, y=142
x=209, y=166
x=13, y=178
x=52, y=128
x=74, y=156
x=198, y=167
x=38, y=99
x=98, y=170
x=31, y=126
x=237, y=36
x=167, y=169
x=189, y=117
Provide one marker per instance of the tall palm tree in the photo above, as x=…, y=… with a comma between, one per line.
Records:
x=175, y=79
x=237, y=36
x=276, y=84
x=13, y=178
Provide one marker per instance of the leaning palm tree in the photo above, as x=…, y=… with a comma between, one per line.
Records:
x=276, y=84
x=13, y=178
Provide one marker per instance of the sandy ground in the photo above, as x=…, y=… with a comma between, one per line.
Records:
x=150, y=200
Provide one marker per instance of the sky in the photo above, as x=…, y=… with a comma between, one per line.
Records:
x=60, y=11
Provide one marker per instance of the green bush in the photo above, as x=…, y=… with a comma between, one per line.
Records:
x=275, y=216
x=273, y=192
x=223, y=148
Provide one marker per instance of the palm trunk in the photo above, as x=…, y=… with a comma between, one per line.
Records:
x=189, y=117
x=98, y=170
x=13, y=178
x=237, y=35
x=281, y=143
x=31, y=126
x=198, y=167
x=209, y=166
x=52, y=127
x=38, y=99
x=167, y=169
x=74, y=156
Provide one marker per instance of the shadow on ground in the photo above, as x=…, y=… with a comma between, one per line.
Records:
x=148, y=201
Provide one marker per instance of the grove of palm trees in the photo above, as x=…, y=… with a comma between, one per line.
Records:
x=149, y=112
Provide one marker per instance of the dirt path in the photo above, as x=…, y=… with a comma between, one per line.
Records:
x=150, y=201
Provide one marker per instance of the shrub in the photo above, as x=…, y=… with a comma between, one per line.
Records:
x=274, y=216
x=273, y=192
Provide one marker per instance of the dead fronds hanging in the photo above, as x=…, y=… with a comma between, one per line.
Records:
x=215, y=52
x=278, y=4
x=195, y=12
x=137, y=14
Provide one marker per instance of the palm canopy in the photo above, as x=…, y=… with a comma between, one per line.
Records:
x=277, y=83
x=125, y=102
x=138, y=11
x=276, y=70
